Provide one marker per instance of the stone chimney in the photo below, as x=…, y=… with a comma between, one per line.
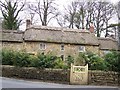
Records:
x=28, y=23
x=91, y=28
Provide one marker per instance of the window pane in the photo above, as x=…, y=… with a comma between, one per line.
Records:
x=62, y=47
x=81, y=48
x=42, y=46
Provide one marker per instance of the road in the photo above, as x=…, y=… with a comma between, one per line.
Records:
x=16, y=83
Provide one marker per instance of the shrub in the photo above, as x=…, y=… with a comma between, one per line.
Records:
x=95, y=62
x=113, y=60
x=45, y=61
x=33, y=60
x=21, y=59
x=59, y=63
x=81, y=59
x=69, y=60
x=10, y=57
x=7, y=57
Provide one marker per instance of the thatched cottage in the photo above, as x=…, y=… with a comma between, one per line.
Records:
x=60, y=41
x=11, y=39
x=107, y=44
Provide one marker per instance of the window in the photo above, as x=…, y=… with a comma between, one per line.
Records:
x=106, y=51
x=42, y=46
x=81, y=48
x=62, y=47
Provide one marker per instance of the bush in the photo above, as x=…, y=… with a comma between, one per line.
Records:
x=113, y=60
x=45, y=61
x=7, y=57
x=69, y=60
x=33, y=60
x=95, y=62
x=59, y=64
x=10, y=57
x=21, y=59
x=81, y=59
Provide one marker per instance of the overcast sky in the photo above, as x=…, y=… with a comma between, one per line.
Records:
x=61, y=4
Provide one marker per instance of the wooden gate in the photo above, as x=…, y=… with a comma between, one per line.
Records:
x=79, y=74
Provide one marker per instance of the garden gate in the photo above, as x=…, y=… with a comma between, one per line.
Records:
x=79, y=74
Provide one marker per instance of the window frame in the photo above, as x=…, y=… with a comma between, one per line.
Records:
x=42, y=46
x=83, y=49
x=62, y=47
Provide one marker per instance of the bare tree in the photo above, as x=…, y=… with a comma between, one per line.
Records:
x=71, y=13
x=61, y=20
x=108, y=12
x=68, y=18
x=89, y=14
x=98, y=22
x=45, y=9
x=82, y=14
x=103, y=12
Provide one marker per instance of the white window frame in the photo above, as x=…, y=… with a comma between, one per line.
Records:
x=42, y=46
x=81, y=48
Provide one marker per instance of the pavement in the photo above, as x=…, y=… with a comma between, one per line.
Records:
x=16, y=83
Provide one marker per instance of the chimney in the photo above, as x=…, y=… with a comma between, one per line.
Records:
x=91, y=28
x=112, y=36
x=28, y=23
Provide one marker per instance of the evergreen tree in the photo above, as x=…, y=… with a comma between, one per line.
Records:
x=10, y=14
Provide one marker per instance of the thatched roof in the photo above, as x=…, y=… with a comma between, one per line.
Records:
x=108, y=44
x=60, y=35
x=11, y=35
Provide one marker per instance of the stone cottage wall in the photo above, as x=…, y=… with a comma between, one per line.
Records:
x=18, y=46
x=73, y=50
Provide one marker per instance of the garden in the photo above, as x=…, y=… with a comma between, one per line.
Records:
x=109, y=62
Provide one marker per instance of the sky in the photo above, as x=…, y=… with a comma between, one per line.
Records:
x=61, y=4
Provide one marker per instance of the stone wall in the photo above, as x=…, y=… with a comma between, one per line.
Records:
x=103, y=78
x=18, y=46
x=55, y=48
x=59, y=75
x=54, y=75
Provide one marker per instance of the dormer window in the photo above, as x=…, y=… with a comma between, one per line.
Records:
x=42, y=46
x=81, y=48
x=62, y=47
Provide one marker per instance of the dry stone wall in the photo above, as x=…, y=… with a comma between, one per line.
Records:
x=59, y=75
